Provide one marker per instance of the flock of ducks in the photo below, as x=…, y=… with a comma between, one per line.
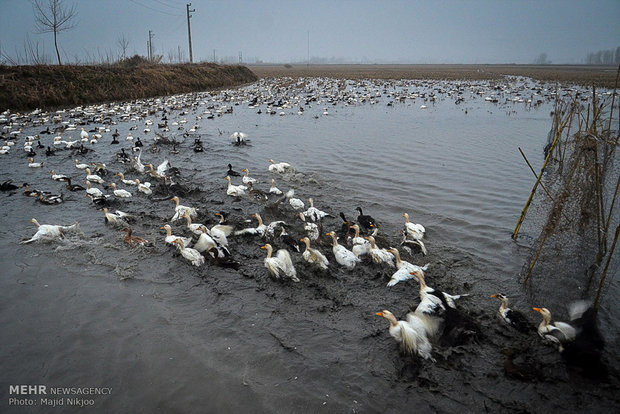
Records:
x=436, y=319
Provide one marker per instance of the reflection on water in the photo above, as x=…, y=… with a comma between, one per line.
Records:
x=171, y=337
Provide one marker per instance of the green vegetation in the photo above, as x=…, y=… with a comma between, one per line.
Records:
x=46, y=87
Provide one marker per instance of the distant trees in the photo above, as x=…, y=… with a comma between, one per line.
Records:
x=604, y=57
x=542, y=60
x=123, y=44
x=53, y=16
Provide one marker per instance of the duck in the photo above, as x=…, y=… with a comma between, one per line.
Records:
x=50, y=199
x=170, y=237
x=45, y=232
x=8, y=186
x=512, y=317
x=273, y=189
x=80, y=166
x=155, y=174
x=192, y=255
x=262, y=229
x=280, y=266
x=123, y=180
x=33, y=164
x=415, y=231
x=221, y=231
x=136, y=163
x=311, y=229
x=73, y=187
x=344, y=256
x=193, y=227
x=556, y=333
x=246, y=178
x=287, y=239
x=93, y=177
x=180, y=210
x=83, y=134
x=314, y=213
x=235, y=190
x=118, y=219
x=206, y=243
x=257, y=194
x=119, y=192
x=132, y=240
x=93, y=191
x=280, y=167
x=143, y=187
x=231, y=172
x=404, y=269
x=100, y=168
x=364, y=220
x=296, y=203
x=313, y=256
x=379, y=255
x=123, y=157
x=410, y=334
x=361, y=245
x=49, y=151
x=29, y=192
x=346, y=227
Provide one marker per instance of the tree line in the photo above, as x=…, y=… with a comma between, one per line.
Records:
x=604, y=57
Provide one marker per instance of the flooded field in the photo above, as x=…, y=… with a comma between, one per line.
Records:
x=90, y=311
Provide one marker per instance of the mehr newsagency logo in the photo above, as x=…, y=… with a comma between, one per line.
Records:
x=46, y=396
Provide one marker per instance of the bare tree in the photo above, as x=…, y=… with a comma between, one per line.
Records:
x=53, y=16
x=123, y=43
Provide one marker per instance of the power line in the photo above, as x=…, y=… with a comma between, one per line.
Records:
x=155, y=10
x=165, y=4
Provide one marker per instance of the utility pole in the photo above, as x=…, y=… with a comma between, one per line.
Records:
x=151, y=35
x=189, y=31
x=308, y=61
x=213, y=55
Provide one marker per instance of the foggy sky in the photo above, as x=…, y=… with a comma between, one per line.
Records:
x=360, y=31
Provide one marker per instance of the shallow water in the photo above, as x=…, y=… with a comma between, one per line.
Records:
x=89, y=312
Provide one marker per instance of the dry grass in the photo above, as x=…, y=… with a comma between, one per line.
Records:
x=599, y=76
x=41, y=86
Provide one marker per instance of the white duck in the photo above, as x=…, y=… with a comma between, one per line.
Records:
x=312, y=230
x=120, y=192
x=281, y=265
x=192, y=255
x=80, y=166
x=235, y=190
x=193, y=227
x=117, y=220
x=313, y=256
x=93, y=191
x=246, y=178
x=206, y=242
x=280, y=167
x=123, y=180
x=404, y=269
x=296, y=203
x=262, y=229
x=273, y=189
x=171, y=237
x=361, y=246
x=45, y=232
x=180, y=210
x=410, y=334
x=143, y=187
x=557, y=333
x=379, y=255
x=415, y=232
x=344, y=256
x=33, y=164
x=93, y=177
x=314, y=213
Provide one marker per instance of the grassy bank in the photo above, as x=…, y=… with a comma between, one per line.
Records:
x=47, y=87
x=586, y=75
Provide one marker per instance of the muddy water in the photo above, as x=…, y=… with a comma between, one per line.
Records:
x=90, y=312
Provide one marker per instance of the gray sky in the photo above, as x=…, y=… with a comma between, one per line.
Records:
x=433, y=31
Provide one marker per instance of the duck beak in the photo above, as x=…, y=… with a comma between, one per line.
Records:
x=379, y=313
x=537, y=309
x=493, y=296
